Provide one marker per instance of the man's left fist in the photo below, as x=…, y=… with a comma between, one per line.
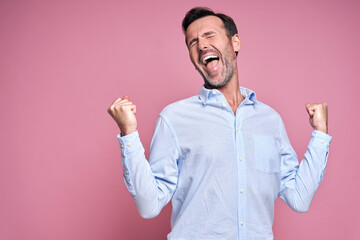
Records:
x=318, y=114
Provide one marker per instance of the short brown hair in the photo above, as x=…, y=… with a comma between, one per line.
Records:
x=200, y=12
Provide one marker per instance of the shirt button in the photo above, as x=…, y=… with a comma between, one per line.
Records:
x=126, y=171
x=322, y=141
x=129, y=144
x=122, y=146
x=237, y=130
x=224, y=105
x=242, y=223
x=242, y=190
x=214, y=92
x=240, y=158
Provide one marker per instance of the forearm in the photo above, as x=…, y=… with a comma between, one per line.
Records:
x=138, y=176
x=151, y=183
x=300, y=183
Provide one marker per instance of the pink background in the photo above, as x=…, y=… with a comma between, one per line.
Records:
x=62, y=63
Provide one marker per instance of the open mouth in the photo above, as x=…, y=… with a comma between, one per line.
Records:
x=210, y=61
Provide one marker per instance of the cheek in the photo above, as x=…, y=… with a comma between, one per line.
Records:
x=193, y=57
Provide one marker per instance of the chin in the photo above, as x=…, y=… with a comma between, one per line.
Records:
x=213, y=84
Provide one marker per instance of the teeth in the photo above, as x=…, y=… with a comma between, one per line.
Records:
x=207, y=57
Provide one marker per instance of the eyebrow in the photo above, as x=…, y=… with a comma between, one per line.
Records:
x=206, y=34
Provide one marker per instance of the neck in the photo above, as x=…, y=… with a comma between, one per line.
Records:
x=232, y=93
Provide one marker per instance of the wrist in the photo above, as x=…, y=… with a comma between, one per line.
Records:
x=322, y=129
x=127, y=131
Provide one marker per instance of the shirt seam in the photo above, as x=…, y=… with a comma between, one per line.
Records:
x=173, y=133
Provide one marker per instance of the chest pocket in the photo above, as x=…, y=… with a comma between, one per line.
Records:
x=267, y=154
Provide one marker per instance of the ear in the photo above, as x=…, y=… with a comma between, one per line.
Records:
x=236, y=42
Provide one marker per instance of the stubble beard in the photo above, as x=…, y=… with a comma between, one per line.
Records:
x=227, y=72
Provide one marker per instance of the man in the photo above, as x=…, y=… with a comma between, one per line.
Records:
x=222, y=157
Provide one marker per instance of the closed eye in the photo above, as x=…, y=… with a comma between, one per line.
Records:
x=209, y=34
x=206, y=35
x=192, y=43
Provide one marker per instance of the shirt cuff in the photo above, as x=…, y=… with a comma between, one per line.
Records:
x=321, y=138
x=129, y=143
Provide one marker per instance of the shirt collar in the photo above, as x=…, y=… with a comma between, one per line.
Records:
x=205, y=94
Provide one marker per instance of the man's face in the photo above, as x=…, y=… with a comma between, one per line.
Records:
x=211, y=51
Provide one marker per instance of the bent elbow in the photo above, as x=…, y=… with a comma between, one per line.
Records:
x=299, y=201
x=301, y=208
x=148, y=215
x=147, y=211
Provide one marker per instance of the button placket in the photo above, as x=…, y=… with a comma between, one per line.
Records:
x=241, y=173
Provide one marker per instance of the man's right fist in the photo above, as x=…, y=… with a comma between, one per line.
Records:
x=123, y=112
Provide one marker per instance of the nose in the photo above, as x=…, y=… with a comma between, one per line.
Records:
x=202, y=44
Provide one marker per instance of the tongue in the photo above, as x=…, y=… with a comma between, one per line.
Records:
x=212, y=64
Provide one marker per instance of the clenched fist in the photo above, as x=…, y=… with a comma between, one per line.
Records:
x=318, y=116
x=123, y=112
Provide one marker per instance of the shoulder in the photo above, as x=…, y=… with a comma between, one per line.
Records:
x=258, y=106
x=265, y=109
x=180, y=106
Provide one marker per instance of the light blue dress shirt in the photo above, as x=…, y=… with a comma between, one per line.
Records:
x=223, y=172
